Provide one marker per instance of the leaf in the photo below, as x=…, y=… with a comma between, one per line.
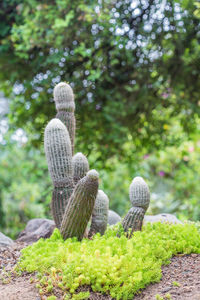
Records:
x=60, y=23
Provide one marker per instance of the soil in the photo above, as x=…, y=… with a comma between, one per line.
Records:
x=180, y=280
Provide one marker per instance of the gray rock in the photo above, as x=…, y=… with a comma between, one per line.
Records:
x=162, y=218
x=36, y=229
x=113, y=217
x=5, y=241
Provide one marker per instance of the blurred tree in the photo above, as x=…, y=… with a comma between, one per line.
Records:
x=24, y=184
x=128, y=62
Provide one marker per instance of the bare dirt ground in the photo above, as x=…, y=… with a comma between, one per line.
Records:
x=180, y=280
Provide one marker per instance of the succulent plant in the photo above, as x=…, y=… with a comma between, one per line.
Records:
x=65, y=106
x=140, y=197
x=80, y=166
x=133, y=220
x=113, y=217
x=80, y=206
x=99, y=214
x=139, y=193
x=59, y=158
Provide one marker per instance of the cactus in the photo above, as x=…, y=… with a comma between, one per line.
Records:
x=80, y=166
x=99, y=214
x=133, y=220
x=140, y=198
x=65, y=106
x=59, y=158
x=139, y=193
x=80, y=206
x=113, y=217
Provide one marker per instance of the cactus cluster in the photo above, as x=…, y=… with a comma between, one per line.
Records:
x=75, y=187
x=76, y=198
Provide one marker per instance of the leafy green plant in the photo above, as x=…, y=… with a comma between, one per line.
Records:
x=175, y=283
x=25, y=186
x=108, y=264
x=158, y=297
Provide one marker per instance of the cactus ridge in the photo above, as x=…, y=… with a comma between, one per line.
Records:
x=69, y=121
x=64, y=97
x=80, y=166
x=140, y=198
x=139, y=193
x=59, y=158
x=80, y=206
x=99, y=214
x=60, y=197
x=58, y=152
x=133, y=220
x=65, y=106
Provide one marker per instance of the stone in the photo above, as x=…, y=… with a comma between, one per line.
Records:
x=36, y=229
x=5, y=241
x=113, y=217
x=168, y=218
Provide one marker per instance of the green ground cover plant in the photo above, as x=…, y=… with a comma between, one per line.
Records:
x=108, y=264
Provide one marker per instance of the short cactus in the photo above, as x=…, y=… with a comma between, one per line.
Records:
x=99, y=214
x=65, y=106
x=140, y=198
x=59, y=158
x=139, y=193
x=80, y=166
x=113, y=217
x=133, y=220
x=80, y=206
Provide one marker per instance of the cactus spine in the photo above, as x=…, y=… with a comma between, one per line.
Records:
x=80, y=166
x=59, y=158
x=80, y=206
x=140, y=197
x=65, y=106
x=99, y=214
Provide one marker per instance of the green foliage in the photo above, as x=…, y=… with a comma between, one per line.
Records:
x=111, y=265
x=175, y=283
x=171, y=173
x=174, y=175
x=197, y=11
x=128, y=63
x=25, y=187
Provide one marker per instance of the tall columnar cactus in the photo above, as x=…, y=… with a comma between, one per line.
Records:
x=59, y=158
x=65, y=106
x=80, y=206
x=99, y=214
x=80, y=166
x=140, y=197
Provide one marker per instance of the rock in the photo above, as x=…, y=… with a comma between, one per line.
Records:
x=5, y=241
x=162, y=218
x=113, y=217
x=36, y=229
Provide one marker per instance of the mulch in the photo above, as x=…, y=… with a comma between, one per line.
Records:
x=180, y=280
